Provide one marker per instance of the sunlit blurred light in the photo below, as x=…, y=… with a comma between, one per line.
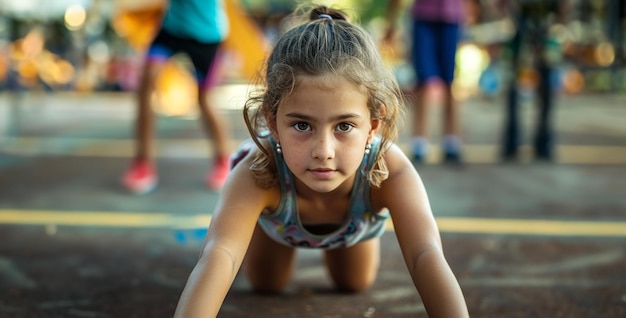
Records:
x=471, y=61
x=61, y=73
x=28, y=73
x=175, y=90
x=604, y=54
x=30, y=46
x=4, y=67
x=64, y=72
x=576, y=30
x=53, y=70
x=137, y=25
x=573, y=81
x=75, y=16
x=99, y=52
x=33, y=62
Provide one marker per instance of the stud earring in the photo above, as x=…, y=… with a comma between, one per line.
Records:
x=368, y=147
x=278, y=148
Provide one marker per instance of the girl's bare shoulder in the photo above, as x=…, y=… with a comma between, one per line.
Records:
x=242, y=184
x=402, y=176
x=397, y=162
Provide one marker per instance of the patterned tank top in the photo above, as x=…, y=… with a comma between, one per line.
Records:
x=362, y=223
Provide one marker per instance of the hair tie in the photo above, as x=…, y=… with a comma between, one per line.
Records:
x=325, y=16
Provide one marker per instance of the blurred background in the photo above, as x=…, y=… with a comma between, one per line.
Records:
x=97, y=45
x=71, y=50
x=526, y=239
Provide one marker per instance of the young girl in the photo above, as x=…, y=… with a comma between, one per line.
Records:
x=322, y=173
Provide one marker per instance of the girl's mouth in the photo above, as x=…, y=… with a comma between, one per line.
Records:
x=322, y=173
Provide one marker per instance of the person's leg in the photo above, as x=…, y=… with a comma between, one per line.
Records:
x=419, y=140
x=141, y=176
x=144, y=124
x=355, y=268
x=422, y=57
x=205, y=59
x=448, y=40
x=214, y=125
x=268, y=265
x=544, y=137
x=511, y=134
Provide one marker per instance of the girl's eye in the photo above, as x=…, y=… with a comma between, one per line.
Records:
x=344, y=127
x=302, y=126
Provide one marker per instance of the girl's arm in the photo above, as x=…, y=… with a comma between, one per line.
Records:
x=225, y=246
x=403, y=193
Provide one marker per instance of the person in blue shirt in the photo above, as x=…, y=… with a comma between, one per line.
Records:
x=196, y=28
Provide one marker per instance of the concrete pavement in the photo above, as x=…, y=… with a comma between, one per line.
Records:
x=524, y=239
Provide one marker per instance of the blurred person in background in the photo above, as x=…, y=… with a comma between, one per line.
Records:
x=533, y=19
x=436, y=30
x=196, y=28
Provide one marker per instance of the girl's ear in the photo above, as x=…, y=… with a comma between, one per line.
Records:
x=377, y=122
x=271, y=125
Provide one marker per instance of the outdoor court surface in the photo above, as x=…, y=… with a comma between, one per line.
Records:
x=524, y=239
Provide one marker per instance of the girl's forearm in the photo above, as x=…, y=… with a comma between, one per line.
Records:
x=438, y=287
x=207, y=285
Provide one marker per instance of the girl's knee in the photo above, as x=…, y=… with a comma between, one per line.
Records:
x=354, y=285
x=354, y=269
x=265, y=279
x=268, y=265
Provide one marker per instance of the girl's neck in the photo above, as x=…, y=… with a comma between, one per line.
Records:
x=315, y=208
x=341, y=192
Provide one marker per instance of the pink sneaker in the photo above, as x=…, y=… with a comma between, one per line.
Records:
x=140, y=178
x=216, y=178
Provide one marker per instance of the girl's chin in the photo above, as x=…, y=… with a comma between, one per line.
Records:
x=321, y=186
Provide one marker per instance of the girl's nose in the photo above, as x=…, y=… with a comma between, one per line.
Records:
x=323, y=148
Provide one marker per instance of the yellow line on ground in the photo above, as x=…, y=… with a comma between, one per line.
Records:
x=531, y=227
x=446, y=224
x=105, y=219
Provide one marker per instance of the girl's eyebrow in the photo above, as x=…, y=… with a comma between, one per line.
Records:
x=311, y=118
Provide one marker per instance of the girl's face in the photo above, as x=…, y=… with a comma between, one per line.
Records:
x=323, y=127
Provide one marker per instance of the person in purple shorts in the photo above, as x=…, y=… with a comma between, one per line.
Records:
x=196, y=28
x=436, y=26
